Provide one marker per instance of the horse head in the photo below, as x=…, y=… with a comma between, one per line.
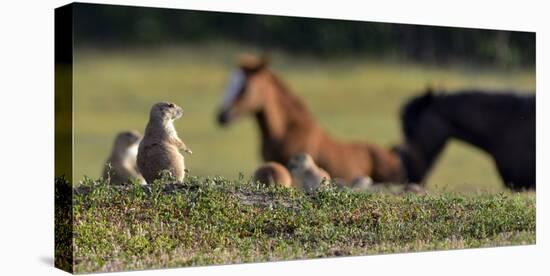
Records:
x=426, y=133
x=245, y=93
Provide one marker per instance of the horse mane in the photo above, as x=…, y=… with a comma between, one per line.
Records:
x=510, y=98
x=411, y=111
x=289, y=98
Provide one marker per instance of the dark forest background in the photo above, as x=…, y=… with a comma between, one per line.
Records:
x=120, y=26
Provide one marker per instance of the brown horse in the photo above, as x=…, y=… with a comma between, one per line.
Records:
x=501, y=124
x=288, y=128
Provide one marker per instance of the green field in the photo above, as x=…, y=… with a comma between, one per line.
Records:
x=353, y=98
x=209, y=221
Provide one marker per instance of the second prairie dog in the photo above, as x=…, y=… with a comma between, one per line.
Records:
x=415, y=189
x=361, y=183
x=160, y=147
x=305, y=173
x=121, y=167
x=273, y=173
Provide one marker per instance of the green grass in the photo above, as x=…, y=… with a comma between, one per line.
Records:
x=215, y=221
x=353, y=99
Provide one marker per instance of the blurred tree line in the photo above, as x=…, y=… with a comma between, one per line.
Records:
x=123, y=26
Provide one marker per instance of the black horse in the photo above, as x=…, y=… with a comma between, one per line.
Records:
x=502, y=123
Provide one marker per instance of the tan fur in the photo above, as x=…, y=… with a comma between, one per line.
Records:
x=121, y=167
x=160, y=148
x=273, y=173
x=305, y=173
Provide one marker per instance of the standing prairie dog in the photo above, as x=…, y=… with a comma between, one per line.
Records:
x=273, y=173
x=305, y=173
x=160, y=147
x=121, y=167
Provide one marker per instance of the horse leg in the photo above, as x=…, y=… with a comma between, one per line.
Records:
x=517, y=175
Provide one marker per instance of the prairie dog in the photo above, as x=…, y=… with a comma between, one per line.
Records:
x=273, y=173
x=121, y=167
x=305, y=173
x=160, y=147
x=415, y=189
x=362, y=183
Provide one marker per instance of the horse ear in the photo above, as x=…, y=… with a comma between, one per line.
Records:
x=252, y=63
x=429, y=94
x=265, y=59
x=429, y=91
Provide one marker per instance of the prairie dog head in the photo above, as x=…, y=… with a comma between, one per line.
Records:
x=301, y=162
x=126, y=139
x=166, y=112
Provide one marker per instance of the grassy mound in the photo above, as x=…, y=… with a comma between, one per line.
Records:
x=217, y=221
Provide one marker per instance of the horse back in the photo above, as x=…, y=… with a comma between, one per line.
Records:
x=344, y=160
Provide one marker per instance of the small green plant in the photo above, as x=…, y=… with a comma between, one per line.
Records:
x=109, y=173
x=165, y=176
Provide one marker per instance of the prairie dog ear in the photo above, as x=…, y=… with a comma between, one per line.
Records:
x=252, y=63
